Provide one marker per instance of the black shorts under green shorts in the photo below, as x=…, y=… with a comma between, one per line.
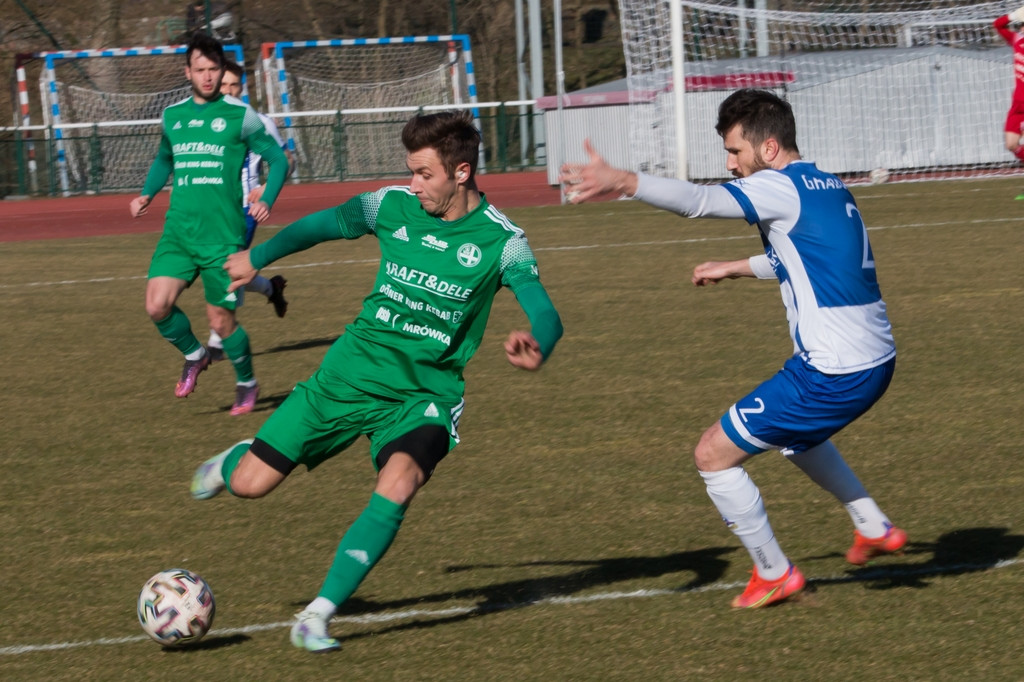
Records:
x=174, y=258
x=313, y=424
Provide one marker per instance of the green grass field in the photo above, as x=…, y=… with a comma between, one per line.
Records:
x=569, y=536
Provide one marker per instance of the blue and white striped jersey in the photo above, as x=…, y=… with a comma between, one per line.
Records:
x=818, y=247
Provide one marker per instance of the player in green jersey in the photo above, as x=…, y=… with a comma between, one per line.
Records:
x=204, y=143
x=395, y=375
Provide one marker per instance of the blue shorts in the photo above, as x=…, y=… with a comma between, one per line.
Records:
x=800, y=407
x=250, y=227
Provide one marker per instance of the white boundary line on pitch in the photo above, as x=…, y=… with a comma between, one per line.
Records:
x=618, y=245
x=894, y=571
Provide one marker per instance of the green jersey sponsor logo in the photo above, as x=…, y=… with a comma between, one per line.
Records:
x=198, y=148
x=469, y=255
x=427, y=282
x=432, y=242
x=424, y=330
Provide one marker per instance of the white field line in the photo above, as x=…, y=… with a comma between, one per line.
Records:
x=894, y=571
x=620, y=245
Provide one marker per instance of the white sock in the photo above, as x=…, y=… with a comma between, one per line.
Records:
x=196, y=354
x=739, y=502
x=247, y=384
x=323, y=607
x=868, y=518
x=825, y=466
x=215, y=341
x=260, y=285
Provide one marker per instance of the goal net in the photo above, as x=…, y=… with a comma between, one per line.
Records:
x=96, y=100
x=922, y=93
x=330, y=93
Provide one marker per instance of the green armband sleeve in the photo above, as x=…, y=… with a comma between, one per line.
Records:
x=162, y=166
x=277, y=172
x=305, y=232
x=545, y=323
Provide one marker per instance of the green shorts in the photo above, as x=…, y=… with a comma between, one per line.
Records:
x=174, y=258
x=312, y=425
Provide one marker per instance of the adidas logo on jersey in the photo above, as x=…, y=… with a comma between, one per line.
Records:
x=177, y=126
x=401, y=234
x=432, y=411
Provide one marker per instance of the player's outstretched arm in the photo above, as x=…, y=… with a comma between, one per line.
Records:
x=529, y=350
x=138, y=205
x=254, y=195
x=240, y=269
x=713, y=272
x=523, y=351
x=302, y=234
x=156, y=178
x=594, y=178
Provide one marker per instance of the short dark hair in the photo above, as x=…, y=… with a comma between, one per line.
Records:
x=450, y=133
x=762, y=114
x=231, y=66
x=207, y=46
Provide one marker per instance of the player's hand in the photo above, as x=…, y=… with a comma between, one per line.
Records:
x=1017, y=16
x=255, y=194
x=138, y=205
x=259, y=211
x=523, y=351
x=712, y=272
x=240, y=269
x=594, y=178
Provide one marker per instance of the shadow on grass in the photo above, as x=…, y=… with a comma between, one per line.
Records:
x=209, y=643
x=301, y=345
x=707, y=565
x=967, y=550
x=267, y=403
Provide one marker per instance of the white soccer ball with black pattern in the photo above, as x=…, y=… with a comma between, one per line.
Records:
x=176, y=607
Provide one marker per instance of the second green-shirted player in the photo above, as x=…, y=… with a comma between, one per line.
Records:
x=204, y=142
x=396, y=374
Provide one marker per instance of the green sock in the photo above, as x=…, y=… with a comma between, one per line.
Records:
x=237, y=348
x=362, y=547
x=178, y=330
x=227, y=467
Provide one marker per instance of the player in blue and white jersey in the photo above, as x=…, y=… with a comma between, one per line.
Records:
x=252, y=190
x=816, y=246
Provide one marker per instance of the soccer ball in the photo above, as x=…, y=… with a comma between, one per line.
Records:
x=879, y=176
x=176, y=607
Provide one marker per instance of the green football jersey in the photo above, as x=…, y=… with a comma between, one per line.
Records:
x=426, y=315
x=207, y=144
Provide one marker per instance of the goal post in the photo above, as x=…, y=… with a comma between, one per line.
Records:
x=341, y=84
x=920, y=93
x=94, y=100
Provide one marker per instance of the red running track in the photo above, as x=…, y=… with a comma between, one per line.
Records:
x=89, y=216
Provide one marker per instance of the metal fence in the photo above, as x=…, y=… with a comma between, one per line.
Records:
x=87, y=158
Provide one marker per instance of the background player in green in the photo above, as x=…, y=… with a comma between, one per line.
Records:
x=204, y=143
x=395, y=375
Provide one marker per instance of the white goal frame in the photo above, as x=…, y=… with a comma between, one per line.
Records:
x=54, y=111
x=276, y=81
x=922, y=94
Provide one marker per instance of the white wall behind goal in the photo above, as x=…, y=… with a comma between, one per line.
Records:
x=920, y=109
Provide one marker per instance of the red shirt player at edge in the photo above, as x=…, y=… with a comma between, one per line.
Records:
x=1009, y=27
